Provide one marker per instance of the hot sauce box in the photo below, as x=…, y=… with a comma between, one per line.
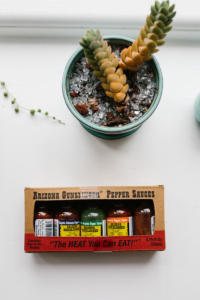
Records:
x=104, y=218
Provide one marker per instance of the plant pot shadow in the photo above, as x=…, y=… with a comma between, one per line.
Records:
x=197, y=124
x=89, y=258
x=197, y=128
x=118, y=143
x=111, y=143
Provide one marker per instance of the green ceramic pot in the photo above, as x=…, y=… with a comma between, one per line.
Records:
x=103, y=131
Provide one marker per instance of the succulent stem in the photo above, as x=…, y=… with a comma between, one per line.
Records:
x=151, y=36
x=105, y=65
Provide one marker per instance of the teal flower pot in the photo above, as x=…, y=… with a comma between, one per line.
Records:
x=104, y=131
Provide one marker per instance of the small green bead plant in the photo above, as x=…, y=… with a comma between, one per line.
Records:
x=18, y=108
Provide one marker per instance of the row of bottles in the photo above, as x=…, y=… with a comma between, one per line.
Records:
x=94, y=221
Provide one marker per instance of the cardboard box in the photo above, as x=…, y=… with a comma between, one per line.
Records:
x=105, y=197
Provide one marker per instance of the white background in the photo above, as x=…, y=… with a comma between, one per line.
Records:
x=37, y=152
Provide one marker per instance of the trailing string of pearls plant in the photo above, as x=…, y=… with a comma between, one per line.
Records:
x=5, y=94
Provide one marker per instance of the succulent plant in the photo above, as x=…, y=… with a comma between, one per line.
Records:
x=105, y=65
x=151, y=36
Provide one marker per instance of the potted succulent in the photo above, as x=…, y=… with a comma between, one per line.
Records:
x=113, y=84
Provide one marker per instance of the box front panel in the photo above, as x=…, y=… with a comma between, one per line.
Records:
x=44, y=232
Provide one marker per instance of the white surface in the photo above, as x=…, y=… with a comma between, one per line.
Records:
x=35, y=152
x=51, y=18
x=89, y=10
x=34, y=17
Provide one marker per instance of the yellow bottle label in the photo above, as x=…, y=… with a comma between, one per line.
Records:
x=70, y=230
x=118, y=226
x=65, y=228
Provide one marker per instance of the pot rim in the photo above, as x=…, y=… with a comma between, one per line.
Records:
x=106, y=129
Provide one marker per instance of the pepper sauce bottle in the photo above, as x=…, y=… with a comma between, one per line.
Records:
x=144, y=219
x=93, y=222
x=67, y=222
x=119, y=221
x=43, y=220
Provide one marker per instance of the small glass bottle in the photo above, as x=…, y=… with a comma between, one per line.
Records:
x=144, y=219
x=93, y=222
x=67, y=222
x=43, y=220
x=119, y=221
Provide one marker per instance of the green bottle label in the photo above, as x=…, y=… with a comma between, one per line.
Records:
x=93, y=228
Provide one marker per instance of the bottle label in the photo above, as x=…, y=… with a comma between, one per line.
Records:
x=152, y=225
x=66, y=228
x=93, y=228
x=120, y=226
x=44, y=227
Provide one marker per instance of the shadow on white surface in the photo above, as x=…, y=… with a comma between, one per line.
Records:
x=88, y=258
x=114, y=144
x=197, y=125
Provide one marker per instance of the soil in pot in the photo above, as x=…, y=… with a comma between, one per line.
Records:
x=90, y=100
